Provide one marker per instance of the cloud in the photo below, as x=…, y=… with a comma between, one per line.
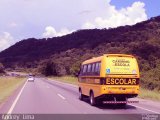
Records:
x=125, y=16
x=51, y=32
x=84, y=12
x=13, y=24
x=28, y=18
x=6, y=40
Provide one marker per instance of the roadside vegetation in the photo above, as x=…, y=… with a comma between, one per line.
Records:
x=2, y=72
x=66, y=79
x=8, y=85
x=144, y=92
x=148, y=94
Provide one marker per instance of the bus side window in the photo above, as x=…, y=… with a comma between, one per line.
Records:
x=93, y=68
x=89, y=68
x=84, y=69
x=97, y=68
x=81, y=69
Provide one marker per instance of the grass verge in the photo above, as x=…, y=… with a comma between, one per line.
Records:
x=148, y=94
x=144, y=93
x=8, y=85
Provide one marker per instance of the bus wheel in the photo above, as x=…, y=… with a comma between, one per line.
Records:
x=80, y=95
x=92, y=99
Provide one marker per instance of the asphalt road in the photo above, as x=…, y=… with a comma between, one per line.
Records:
x=52, y=97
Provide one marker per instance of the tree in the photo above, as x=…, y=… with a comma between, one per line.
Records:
x=48, y=69
x=75, y=68
x=1, y=68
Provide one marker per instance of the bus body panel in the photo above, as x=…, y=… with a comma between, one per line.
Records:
x=87, y=87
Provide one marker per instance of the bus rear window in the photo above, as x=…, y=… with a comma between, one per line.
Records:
x=121, y=65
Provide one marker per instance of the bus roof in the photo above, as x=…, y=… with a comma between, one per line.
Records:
x=97, y=59
x=119, y=55
x=94, y=59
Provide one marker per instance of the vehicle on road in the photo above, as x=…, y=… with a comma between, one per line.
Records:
x=31, y=78
x=111, y=78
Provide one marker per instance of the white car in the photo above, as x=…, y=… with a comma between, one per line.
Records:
x=31, y=79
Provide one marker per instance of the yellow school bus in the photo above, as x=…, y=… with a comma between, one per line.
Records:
x=111, y=77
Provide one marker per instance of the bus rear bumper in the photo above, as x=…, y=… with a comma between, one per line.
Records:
x=119, y=102
x=117, y=99
x=120, y=97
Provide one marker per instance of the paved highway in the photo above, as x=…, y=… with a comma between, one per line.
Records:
x=52, y=97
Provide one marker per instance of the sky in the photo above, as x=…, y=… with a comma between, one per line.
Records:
x=22, y=19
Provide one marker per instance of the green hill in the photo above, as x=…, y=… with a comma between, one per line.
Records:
x=63, y=55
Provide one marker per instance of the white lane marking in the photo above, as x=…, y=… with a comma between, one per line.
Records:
x=15, y=101
x=61, y=96
x=145, y=109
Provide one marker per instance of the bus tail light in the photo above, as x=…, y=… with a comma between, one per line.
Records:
x=110, y=92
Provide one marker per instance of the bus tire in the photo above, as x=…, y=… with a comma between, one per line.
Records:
x=81, y=96
x=123, y=104
x=92, y=99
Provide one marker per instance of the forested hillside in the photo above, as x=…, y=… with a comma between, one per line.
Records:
x=63, y=55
